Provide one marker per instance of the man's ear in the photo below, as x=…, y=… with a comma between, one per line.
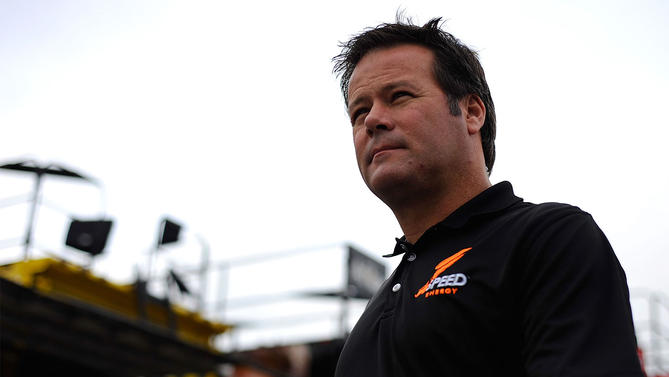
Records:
x=474, y=112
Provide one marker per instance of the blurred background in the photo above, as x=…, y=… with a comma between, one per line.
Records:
x=224, y=119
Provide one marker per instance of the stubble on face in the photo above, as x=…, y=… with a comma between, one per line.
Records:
x=404, y=134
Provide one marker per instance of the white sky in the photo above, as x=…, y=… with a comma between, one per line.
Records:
x=227, y=118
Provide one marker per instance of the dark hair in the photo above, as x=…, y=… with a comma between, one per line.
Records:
x=456, y=67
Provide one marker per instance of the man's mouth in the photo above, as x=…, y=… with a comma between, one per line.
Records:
x=381, y=149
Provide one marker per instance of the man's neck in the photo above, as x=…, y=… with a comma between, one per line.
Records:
x=417, y=217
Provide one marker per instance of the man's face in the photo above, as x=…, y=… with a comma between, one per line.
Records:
x=405, y=137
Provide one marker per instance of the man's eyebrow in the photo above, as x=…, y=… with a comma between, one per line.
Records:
x=397, y=84
x=387, y=88
x=356, y=102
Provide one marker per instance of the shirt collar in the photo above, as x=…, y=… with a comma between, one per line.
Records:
x=493, y=199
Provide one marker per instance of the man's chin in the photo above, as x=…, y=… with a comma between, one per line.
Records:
x=389, y=184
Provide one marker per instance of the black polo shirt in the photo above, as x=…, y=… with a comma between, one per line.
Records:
x=501, y=287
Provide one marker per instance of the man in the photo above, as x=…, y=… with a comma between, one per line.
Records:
x=488, y=284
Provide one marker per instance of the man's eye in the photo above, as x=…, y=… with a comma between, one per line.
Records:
x=357, y=113
x=400, y=94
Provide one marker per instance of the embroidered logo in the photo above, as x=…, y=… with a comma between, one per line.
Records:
x=446, y=284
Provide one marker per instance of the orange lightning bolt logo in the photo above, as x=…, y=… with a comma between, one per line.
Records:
x=441, y=267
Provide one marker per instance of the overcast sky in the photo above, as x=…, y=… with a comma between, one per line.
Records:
x=227, y=118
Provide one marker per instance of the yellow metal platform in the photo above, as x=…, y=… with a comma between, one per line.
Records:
x=62, y=280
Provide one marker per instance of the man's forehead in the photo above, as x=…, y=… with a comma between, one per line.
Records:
x=390, y=65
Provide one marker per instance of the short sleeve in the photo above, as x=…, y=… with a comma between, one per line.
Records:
x=575, y=313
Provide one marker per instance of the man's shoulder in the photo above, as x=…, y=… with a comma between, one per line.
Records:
x=549, y=213
x=551, y=223
x=500, y=202
x=547, y=230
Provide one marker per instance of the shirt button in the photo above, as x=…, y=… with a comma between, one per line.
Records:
x=411, y=257
x=404, y=247
x=397, y=287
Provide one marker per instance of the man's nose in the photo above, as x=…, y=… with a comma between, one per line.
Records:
x=378, y=119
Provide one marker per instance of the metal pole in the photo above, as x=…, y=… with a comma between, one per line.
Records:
x=223, y=271
x=346, y=292
x=31, y=218
x=204, y=266
x=152, y=255
x=343, y=316
x=660, y=340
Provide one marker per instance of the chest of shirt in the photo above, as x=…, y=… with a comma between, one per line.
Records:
x=455, y=289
